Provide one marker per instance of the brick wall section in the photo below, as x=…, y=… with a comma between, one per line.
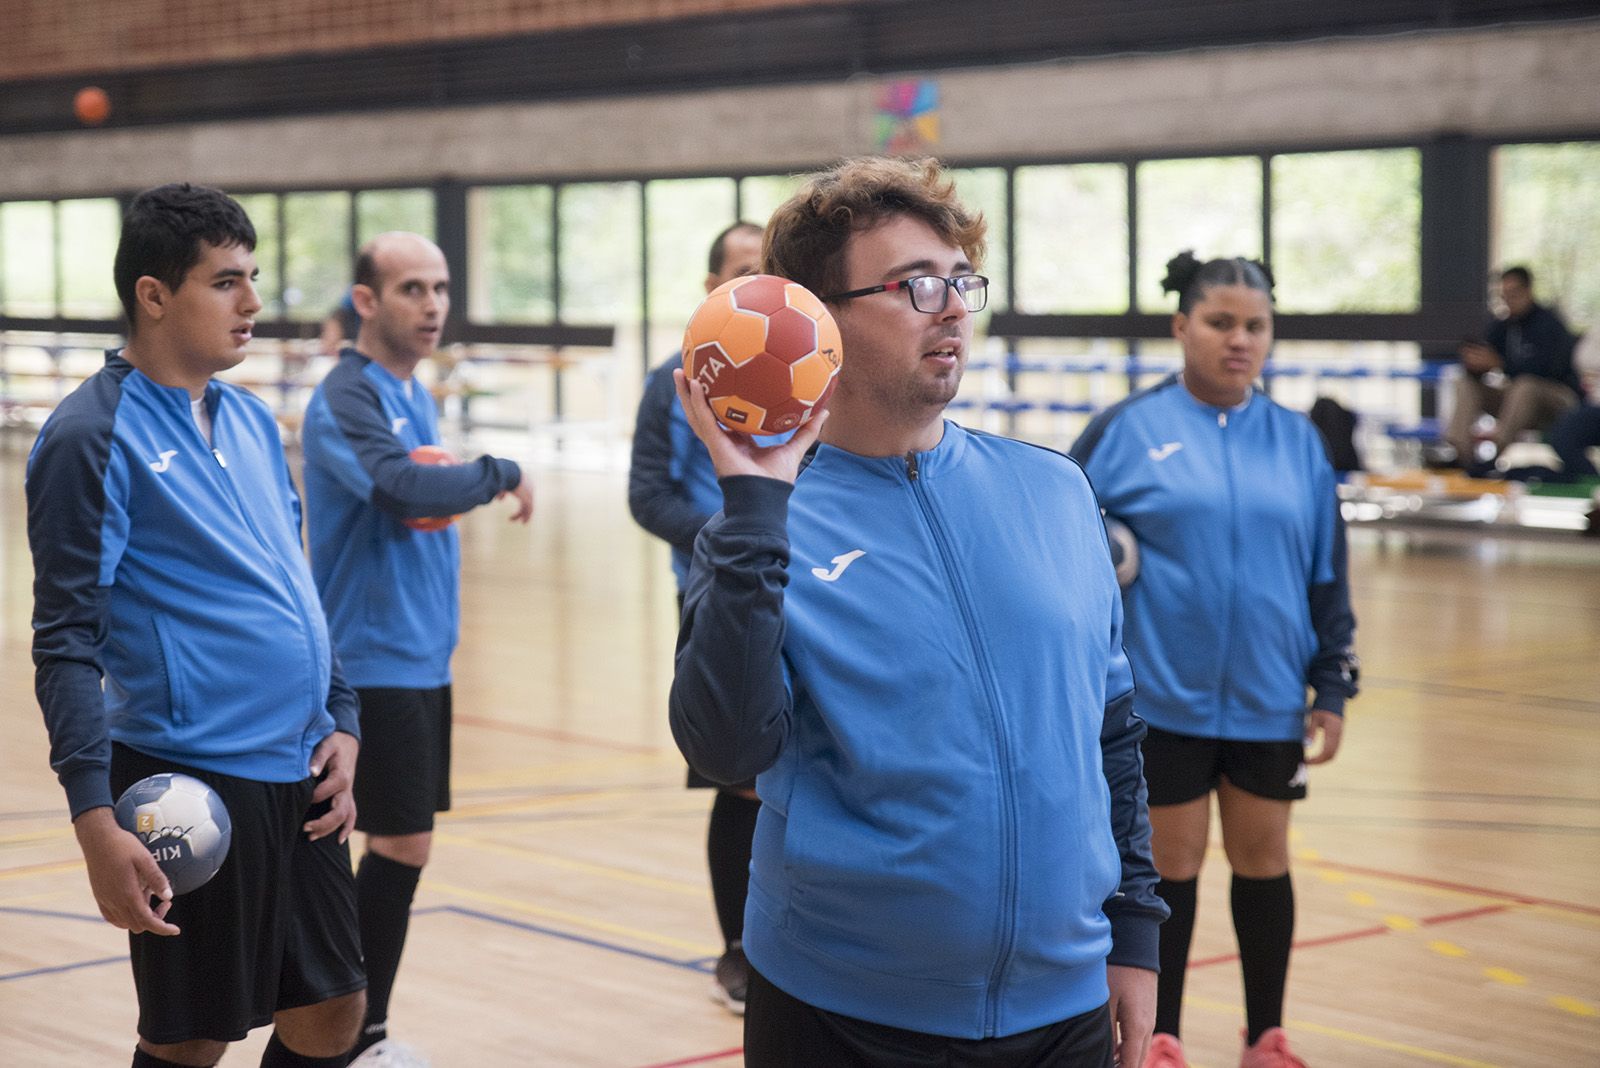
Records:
x=56, y=37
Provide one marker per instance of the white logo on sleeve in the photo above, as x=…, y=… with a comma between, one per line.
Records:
x=164, y=461
x=1164, y=451
x=840, y=562
x=398, y=424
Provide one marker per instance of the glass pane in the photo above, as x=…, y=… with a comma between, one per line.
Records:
x=381, y=210
x=89, y=233
x=760, y=196
x=1547, y=201
x=28, y=258
x=263, y=211
x=1212, y=206
x=1346, y=231
x=1072, y=239
x=600, y=253
x=318, y=253
x=510, y=254
x=984, y=189
x=685, y=216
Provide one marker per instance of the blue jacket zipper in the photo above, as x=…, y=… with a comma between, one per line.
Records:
x=1008, y=809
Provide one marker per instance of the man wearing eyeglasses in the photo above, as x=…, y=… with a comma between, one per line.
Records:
x=915, y=643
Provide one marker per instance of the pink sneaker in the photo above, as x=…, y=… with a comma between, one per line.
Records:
x=1165, y=1052
x=1270, y=1051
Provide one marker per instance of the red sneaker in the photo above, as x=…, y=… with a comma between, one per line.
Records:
x=1165, y=1052
x=1270, y=1051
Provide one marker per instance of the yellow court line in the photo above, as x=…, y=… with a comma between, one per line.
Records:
x=41, y=869
x=699, y=949
x=551, y=860
x=1436, y=1056
x=44, y=835
x=535, y=773
x=528, y=804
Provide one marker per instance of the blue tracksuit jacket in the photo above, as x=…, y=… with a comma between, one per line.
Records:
x=391, y=593
x=173, y=570
x=922, y=658
x=1242, y=599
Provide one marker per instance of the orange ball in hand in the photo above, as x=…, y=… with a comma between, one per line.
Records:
x=767, y=351
x=433, y=455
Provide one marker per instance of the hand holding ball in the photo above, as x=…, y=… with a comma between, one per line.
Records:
x=182, y=822
x=431, y=454
x=766, y=350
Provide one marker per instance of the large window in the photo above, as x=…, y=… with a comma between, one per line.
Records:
x=87, y=239
x=511, y=254
x=1072, y=239
x=316, y=253
x=1547, y=218
x=381, y=210
x=760, y=196
x=685, y=216
x=28, y=258
x=600, y=281
x=984, y=190
x=1212, y=206
x=1346, y=228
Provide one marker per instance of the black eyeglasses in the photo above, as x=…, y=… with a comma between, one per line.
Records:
x=930, y=293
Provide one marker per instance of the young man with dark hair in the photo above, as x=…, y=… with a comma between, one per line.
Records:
x=952, y=860
x=391, y=590
x=1532, y=349
x=166, y=542
x=672, y=491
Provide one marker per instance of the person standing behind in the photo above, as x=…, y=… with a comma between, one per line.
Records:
x=165, y=532
x=392, y=592
x=1532, y=348
x=951, y=862
x=1240, y=605
x=672, y=491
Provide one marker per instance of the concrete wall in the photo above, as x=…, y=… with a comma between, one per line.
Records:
x=1515, y=83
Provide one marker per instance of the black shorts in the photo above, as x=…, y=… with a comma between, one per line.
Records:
x=781, y=1031
x=403, y=774
x=1181, y=767
x=274, y=929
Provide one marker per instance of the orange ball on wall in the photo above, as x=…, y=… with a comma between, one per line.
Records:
x=91, y=105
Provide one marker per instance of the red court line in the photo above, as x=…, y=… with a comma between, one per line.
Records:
x=1466, y=888
x=702, y=1058
x=1364, y=932
x=552, y=735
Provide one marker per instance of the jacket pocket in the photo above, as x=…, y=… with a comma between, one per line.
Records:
x=174, y=668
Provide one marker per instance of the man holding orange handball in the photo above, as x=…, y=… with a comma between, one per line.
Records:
x=387, y=564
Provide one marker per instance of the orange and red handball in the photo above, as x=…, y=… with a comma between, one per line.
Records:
x=767, y=351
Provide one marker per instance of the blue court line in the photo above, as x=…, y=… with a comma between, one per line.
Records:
x=695, y=965
x=121, y=959
x=703, y=965
x=52, y=914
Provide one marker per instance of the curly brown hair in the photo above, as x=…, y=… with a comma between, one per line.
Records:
x=806, y=236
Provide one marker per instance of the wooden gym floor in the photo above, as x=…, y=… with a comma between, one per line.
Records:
x=1447, y=864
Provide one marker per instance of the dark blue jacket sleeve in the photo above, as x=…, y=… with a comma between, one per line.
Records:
x=1135, y=911
x=67, y=500
x=399, y=485
x=1334, y=671
x=730, y=704
x=659, y=502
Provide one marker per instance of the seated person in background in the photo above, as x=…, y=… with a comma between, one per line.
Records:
x=1578, y=430
x=1532, y=348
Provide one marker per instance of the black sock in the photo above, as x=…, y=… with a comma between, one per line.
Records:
x=384, y=889
x=1176, y=935
x=733, y=825
x=141, y=1059
x=277, y=1055
x=1263, y=921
